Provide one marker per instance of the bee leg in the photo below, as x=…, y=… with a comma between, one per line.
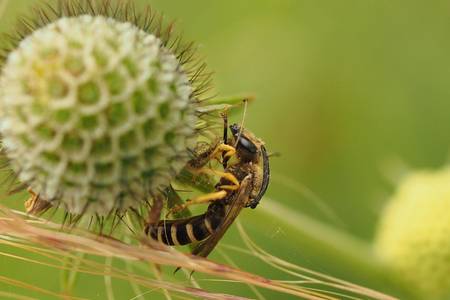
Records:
x=220, y=151
x=155, y=211
x=225, y=175
x=229, y=187
x=204, y=154
x=199, y=200
x=225, y=159
x=220, y=194
x=223, y=152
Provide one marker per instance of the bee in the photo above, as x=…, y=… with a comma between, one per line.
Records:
x=243, y=183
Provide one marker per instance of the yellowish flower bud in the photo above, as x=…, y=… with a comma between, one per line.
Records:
x=414, y=233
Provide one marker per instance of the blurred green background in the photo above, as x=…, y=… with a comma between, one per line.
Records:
x=349, y=92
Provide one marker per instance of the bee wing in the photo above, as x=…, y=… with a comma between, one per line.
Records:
x=238, y=202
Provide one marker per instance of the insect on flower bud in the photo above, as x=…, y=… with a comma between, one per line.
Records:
x=95, y=113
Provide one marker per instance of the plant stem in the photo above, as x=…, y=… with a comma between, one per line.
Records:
x=344, y=253
x=335, y=241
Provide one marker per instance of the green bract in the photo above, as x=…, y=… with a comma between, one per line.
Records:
x=95, y=113
x=414, y=234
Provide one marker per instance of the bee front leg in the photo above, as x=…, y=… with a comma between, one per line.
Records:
x=206, y=153
x=223, y=152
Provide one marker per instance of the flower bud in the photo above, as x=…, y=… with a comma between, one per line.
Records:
x=414, y=233
x=95, y=113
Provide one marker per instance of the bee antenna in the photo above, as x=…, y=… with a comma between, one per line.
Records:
x=242, y=122
x=274, y=154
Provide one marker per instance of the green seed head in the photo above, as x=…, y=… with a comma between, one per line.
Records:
x=414, y=234
x=95, y=113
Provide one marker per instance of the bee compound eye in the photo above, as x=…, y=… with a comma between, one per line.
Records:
x=248, y=145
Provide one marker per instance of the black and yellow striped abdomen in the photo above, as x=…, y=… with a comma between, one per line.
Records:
x=186, y=231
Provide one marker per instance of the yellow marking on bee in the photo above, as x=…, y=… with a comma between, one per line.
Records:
x=229, y=187
x=230, y=177
x=208, y=226
x=159, y=236
x=190, y=233
x=224, y=149
x=199, y=200
x=173, y=234
x=226, y=175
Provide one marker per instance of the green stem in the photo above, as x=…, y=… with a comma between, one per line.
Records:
x=332, y=240
x=344, y=253
x=69, y=274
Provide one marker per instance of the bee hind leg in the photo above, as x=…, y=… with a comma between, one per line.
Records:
x=199, y=200
x=154, y=214
x=224, y=175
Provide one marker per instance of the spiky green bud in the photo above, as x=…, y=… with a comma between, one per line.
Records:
x=414, y=233
x=95, y=113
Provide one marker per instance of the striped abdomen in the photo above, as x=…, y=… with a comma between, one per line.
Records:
x=186, y=231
